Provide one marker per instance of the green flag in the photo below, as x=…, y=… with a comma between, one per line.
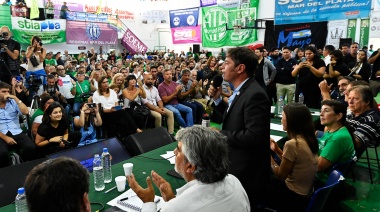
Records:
x=351, y=29
x=364, y=32
x=215, y=32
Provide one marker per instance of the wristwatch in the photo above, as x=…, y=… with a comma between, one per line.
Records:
x=19, y=101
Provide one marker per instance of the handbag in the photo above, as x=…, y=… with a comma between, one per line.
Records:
x=139, y=109
x=34, y=61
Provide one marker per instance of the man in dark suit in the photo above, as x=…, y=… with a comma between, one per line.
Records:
x=246, y=122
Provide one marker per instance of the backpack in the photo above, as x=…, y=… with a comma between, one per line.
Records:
x=15, y=159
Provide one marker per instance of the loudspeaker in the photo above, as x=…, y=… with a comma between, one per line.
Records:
x=146, y=141
x=344, y=40
x=196, y=48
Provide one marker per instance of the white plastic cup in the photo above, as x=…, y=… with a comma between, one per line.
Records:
x=120, y=183
x=272, y=109
x=128, y=168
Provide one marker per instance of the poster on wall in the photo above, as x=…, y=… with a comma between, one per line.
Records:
x=206, y=3
x=50, y=31
x=296, y=11
x=19, y=11
x=81, y=32
x=228, y=3
x=155, y=17
x=376, y=5
x=186, y=35
x=215, y=33
x=184, y=17
x=336, y=31
x=295, y=35
x=374, y=31
x=72, y=5
x=133, y=43
x=364, y=32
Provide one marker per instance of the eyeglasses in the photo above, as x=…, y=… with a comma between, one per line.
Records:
x=80, y=75
x=124, y=72
x=60, y=69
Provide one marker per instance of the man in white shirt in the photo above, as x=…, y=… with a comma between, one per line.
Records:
x=66, y=86
x=326, y=53
x=154, y=103
x=208, y=186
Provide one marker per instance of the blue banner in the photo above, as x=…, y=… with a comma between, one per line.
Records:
x=301, y=11
x=184, y=17
x=83, y=16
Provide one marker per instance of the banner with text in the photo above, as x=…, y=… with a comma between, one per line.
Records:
x=186, y=35
x=228, y=3
x=295, y=35
x=50, y=31
x=336, y=31
x=215, y=33
x=19, y=11
x=83, y=16
x=132, y=43
x=375, y=25
x=364, y=32
x=155, y=17
x=184, y=18
x=296, y=11
x=72, y=5
x=80, y=32
x=206, y=3
x=351, y=29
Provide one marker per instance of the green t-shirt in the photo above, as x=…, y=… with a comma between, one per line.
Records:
x=86, y=87
x=336, y=147
x=36, y=113
x=51, y=62
x=71, y=73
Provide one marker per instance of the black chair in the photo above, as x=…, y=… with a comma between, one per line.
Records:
x=346, y=167
x=377, y=144
x=320, y=196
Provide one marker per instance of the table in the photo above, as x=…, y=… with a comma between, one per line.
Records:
x=142, y=166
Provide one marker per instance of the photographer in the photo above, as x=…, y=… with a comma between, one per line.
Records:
x=52, y=90
x=9, y=55
x=36, y=56
x=87, y=121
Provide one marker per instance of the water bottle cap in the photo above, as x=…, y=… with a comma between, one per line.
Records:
x=105, y=150
x=21, y=190
x=96, y=156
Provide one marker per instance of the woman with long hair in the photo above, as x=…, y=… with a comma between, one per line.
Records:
x=362, y=69
x=295, y=175
x=88, y=119
x=299, y=54
x=310, y=74
x=336, y=145
x=53, y=133
x=36, y=118
x=118, y=80
x=135, y=94
x=36, y=53
x=209, y=71
x=111, y=111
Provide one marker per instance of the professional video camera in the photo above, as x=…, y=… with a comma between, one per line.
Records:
x=3, y=40
x=34, y=82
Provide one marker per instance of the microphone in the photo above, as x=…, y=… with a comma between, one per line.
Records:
x=216, y=82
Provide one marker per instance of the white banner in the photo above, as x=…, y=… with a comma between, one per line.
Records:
x=336, y=31
x=374, y=26
x=376, y=5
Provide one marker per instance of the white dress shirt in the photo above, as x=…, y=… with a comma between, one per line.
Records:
x=226, y=195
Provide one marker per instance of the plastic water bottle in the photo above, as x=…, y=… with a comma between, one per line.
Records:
x=20, y=201
x=301, y=98
x=206, y=120
x=280, y=105
x=98, y=173
x=106, y=162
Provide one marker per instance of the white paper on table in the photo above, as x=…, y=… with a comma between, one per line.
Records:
x=137, y=202
x=277, y=127
x=275, y=137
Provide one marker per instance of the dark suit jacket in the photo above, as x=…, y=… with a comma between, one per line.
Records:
x=247, y=126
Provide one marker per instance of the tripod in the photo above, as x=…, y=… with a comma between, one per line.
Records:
x=5, y=72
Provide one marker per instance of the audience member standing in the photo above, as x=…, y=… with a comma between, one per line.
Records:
x=64, y=9
x=49, y=6
x=285, y=82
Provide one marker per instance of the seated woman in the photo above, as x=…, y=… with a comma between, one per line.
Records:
x=87, y=120
x=118, y=80
x=83, y=86
x=36, y=118
x=134, y=94
x=53, y=133
x=111, y=114
x=336, y=145
x=293, y=186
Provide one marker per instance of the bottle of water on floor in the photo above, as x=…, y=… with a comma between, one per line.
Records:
x=280, y=105
x=206, y=120
x=20, y=201
x=98, y=173
x=106, y=162
x=301, y=98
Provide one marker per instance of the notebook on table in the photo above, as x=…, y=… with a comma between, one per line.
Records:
x=129, y=201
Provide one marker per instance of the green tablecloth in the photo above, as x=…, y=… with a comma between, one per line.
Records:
x=142, y=166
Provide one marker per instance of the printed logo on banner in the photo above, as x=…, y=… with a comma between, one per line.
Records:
x=40, y=26
x=214, y=24
x=184, y=17
x=93, y=31
x=297, y=38
x=176, y=21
